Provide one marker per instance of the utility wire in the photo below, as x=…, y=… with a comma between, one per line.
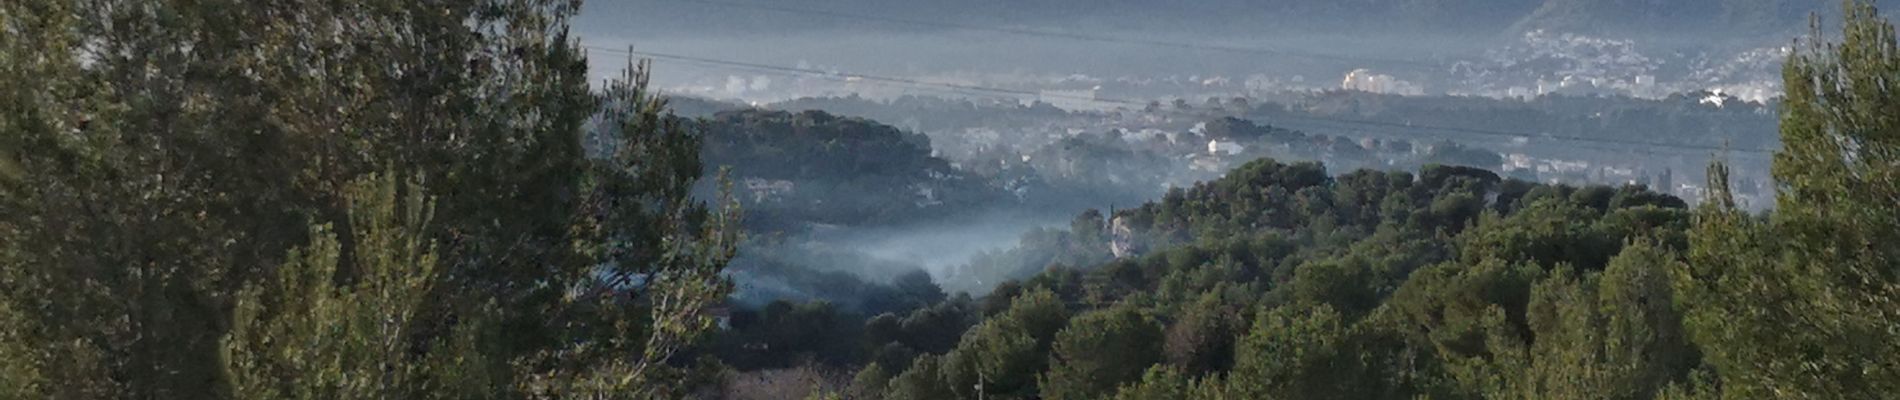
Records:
x=1017, y=94
x=1055, y=34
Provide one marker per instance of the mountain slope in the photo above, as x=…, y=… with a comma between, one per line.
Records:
x=814, y=167
x=1218, y=16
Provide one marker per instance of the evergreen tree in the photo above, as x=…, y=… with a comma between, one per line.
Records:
x=161, y=157
x=924, y=380
x=870, y=382
x=1609, y=335
x=1295, y=354
x=1099, y=351
x=1800, y=304
x=1161, y=382
x=1201, y=340
x=304, y=335
x=1002, y=356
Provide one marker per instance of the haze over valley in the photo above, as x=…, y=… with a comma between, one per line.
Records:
x=949, y=200
x=1031, y=113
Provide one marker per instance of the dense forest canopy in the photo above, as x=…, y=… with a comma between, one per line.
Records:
x=1279, y=281
x=323, y=200
x=236, y=199
x=814, y=167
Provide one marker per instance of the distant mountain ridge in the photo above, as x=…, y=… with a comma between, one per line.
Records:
x=1507, y=17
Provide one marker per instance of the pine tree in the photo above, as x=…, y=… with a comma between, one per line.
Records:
x=1801, y=304
x=1002, y=356
x=924, y=380
x=1099, y=351
x=313, y=332
x=1295, y=353
x=158, y=157
x=1609, y=335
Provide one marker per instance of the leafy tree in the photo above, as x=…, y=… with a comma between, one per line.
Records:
x=1297, y=354
x=784, y=335
x=1644, y=337
x=655, y=260
x=890, y=174
x=19, y=377
x=177, y=151
x=1344, y=285
x=1799, y=304
x=1470, y=319
x=938, y=328
x=893, y=353
x=870, y=382
x=304, y=335
x=1547, y=232
x=924, y=380
x=1080, y=368
x=1201, y=340
x=1613, y=335
x=1003, y=355
x=917, y=289
x=1161, y=382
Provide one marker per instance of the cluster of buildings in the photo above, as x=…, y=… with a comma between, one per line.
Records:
x=1749, y=192
x=763, y=190
x=1365, y=80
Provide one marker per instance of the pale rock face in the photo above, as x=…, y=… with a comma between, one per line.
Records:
x=1122, y=239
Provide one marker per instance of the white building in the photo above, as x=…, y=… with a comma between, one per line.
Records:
x=1366, y=81
x=1076, y=100
x=1224, y=147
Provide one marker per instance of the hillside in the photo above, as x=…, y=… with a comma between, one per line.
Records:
x=789, y=169
x=1604, y=17
x=1707, y=17
x=1400, y=278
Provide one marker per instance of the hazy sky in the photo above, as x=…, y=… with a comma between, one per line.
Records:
x=985, y=42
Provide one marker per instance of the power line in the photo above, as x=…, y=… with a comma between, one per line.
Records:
x=1014, y=93
x=1056, y=34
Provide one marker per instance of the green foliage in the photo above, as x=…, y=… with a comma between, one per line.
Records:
x=1160, y=382
x=870, y=382
x=889, y=174
x=1079, y=368
x=303, y=335
x=1449, y=153
x=1799, y=304
x=1613, y=335
x=19, y=377
x=782, y=335
x=924, y=380
x=163, y=157
x=1546, y=232
x=1296, y=354
x=1366, y=285
x=1644, y=339
x=937, y=328
x=1003, y=355
x=1037, y=251
x=1201, y=340
x=1346, y=285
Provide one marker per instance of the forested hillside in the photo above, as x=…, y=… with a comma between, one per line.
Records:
x=229, y=199
x=814, y=167
x=1384, y=254
x=1280, y=281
